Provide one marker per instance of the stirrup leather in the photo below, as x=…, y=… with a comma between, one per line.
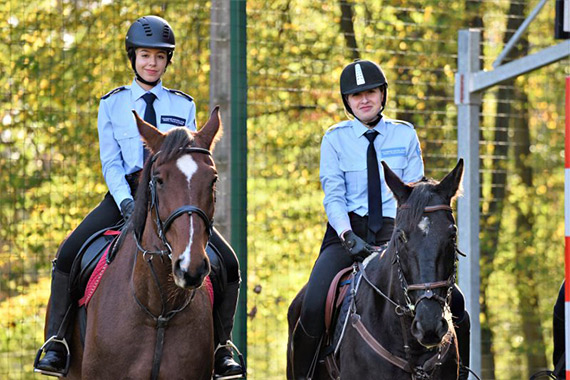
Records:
x=53, y=339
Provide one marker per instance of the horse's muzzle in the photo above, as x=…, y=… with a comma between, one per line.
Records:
x=429, y=325
x=188, y=278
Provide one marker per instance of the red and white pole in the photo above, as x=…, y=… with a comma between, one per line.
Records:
x=567, y=228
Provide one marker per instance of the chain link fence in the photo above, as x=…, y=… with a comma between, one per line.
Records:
x=59, y=58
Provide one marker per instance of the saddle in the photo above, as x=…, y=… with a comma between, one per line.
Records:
x=88, y=258
x=336, y=295
x=337, y=311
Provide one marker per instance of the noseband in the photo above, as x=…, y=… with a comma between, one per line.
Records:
x=162, y=227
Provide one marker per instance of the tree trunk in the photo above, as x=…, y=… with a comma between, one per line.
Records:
x=525, y=261
x=347, y=28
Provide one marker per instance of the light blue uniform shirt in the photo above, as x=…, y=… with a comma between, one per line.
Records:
x=343, y=170
x=120, y=144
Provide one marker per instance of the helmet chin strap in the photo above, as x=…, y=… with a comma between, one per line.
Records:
x=374, y=121
x=141, y=79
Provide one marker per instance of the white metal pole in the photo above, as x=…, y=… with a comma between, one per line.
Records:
x=468, y=104
x=567, y=229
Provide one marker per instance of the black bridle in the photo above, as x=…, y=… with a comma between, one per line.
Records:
x=428, y=287
x=162, y=227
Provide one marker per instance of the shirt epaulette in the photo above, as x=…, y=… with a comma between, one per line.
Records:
x=396, y=121
x=114, y=91
x=342, y=124
x=180, y=93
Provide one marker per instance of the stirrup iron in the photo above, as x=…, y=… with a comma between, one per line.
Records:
x=53, y=339
x=233, y=349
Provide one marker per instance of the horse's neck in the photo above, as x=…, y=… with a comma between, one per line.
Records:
x=384, y=274
x=374, y=307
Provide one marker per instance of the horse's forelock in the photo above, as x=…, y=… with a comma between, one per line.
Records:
x=420, y=197
x=174, y=143
x=173, y=147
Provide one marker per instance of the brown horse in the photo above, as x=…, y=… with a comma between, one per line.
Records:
x=150, y=316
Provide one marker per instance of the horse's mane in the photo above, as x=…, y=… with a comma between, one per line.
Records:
x=409, y=216
x=172, y=147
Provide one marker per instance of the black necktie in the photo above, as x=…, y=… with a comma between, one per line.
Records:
x=374, y=190
x=149, y=117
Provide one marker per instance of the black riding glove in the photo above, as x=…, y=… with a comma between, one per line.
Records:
x=356, y=247
x=127, y=208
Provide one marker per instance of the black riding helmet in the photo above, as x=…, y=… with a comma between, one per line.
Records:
x=360, y=76
x=150, y=32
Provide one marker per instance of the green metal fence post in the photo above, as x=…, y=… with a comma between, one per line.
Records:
x=238, y=166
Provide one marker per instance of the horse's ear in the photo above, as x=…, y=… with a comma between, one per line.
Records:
x=451, y=184
x=211, y=132
x=151, y=136
x=400, y=189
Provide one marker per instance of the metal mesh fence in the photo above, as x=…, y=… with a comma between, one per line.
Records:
x=60, y=57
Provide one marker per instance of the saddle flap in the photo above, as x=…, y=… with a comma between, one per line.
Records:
x=335, y=296
x=87, y=259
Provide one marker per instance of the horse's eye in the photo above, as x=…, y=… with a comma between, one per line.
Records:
x=402, y=236
x=158, y=180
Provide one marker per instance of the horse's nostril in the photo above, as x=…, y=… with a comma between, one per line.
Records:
x=206, y=266
x=178, y=267
x=415, y=327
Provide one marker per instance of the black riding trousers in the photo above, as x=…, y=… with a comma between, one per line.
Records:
x=333, y=258
x=105, y=215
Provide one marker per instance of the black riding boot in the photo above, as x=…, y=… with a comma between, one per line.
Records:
x=463, y=331
x=54, y=361
x=304, y=350
x=224, y=363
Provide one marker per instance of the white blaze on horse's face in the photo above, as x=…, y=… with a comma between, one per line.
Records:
x=188, y=166
x=424, y=225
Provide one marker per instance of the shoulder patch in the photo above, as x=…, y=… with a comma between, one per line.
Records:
x=180, y=93
x=113, y=92
x=406, y=123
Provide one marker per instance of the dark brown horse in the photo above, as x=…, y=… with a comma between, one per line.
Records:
x=150, y=316
x=399, y=323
